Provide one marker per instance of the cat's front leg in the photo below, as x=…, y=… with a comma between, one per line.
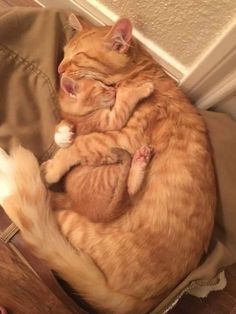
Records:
x=140, y=92
x=93, y=150
x=53, y=169
x=135, y=92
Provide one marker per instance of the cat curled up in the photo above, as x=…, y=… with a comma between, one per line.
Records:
x=130, y=264
x=87, y=106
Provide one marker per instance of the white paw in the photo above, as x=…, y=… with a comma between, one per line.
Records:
x=63, y=137
x=6, y=176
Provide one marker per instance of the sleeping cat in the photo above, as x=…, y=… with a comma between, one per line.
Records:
x=87, y=106
x=130, y=264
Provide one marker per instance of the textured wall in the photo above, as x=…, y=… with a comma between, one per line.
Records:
x=183, y=28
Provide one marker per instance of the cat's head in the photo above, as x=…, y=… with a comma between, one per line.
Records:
x=99, y=52
x=85, y=95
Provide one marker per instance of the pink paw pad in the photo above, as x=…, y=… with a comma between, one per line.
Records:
x=143, y=155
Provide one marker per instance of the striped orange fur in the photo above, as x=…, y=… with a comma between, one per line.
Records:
x=88, y=106
x=130, y=264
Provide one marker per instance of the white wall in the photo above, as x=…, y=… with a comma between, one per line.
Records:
x=194, y=40
x=183, y=28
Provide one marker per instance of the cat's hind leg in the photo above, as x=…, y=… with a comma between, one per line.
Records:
x=117, y=203
x=138, y=168
x=107, y=184
x=54, y=169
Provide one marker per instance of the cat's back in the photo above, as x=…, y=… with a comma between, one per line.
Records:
x=171, y=218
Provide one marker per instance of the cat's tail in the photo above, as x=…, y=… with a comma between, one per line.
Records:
x=26, y=201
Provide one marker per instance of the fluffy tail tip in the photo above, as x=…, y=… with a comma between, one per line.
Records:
x=21, y=163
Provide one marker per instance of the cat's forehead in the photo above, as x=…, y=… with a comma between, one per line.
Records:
x=90, y=53
x=87, y=39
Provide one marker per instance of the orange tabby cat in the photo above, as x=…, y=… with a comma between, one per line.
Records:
x=128, y=265
x=86, y=107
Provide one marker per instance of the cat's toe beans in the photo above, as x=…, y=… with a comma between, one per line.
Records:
x=148, y=152
x=144, y=154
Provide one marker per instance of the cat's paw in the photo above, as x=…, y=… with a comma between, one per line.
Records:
x=142, y=156
x=64, y=135
x=146, y=89
x=50, y=172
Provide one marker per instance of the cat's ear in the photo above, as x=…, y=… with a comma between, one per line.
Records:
x=68, y=86
x=75, y=23
x=120, y=35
